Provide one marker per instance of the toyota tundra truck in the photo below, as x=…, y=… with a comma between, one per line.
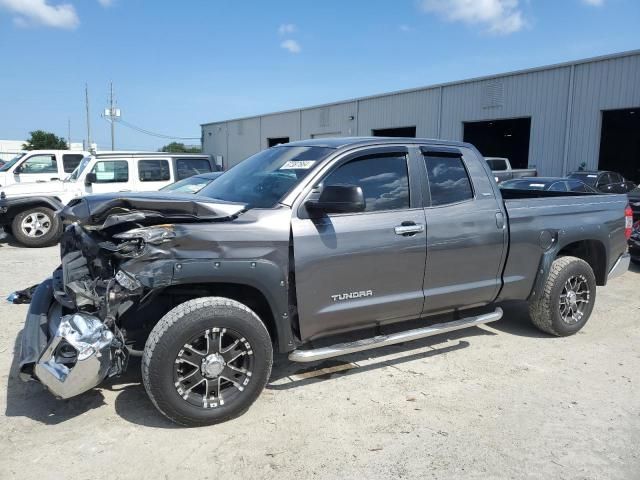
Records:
x=292, y=248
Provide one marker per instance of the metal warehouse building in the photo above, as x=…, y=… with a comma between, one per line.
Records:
x=555, y=118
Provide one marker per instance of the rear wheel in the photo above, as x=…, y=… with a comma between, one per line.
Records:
x=206, y=361
x=37, y=227
x=567, y=299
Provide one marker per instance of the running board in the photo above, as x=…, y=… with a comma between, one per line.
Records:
x=384, y=340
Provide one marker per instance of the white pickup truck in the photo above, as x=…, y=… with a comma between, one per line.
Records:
x=27, y=209
x=501, y=169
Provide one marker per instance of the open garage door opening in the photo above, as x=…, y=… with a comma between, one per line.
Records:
x=272, y=142
x=407, y=132
x=501, y=138
x=620, y=143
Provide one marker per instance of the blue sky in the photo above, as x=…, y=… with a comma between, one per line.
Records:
x=176, y=64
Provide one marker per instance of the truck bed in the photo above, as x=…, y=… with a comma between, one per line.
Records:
x=545, y=222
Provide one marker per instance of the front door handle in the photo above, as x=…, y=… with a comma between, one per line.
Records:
x=408, y=229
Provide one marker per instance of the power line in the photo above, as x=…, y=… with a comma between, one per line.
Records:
x=154, y=134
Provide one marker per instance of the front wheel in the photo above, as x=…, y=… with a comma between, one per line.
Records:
x=37, y=227
x=567, y=299
x=206, y=361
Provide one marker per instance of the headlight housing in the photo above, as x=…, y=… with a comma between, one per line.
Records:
x=153, y=235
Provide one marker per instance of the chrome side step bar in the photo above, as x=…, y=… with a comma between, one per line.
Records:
x=384, y=340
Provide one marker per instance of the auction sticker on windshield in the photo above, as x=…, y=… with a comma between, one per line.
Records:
x=298, y=165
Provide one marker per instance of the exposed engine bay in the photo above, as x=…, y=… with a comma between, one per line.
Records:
x=115, y=254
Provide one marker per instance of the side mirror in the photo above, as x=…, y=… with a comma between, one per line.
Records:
x=337, y=199
x=90, y=178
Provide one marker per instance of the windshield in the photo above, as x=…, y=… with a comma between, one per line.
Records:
x=190, y=185
x=76, y=173
x=262, y=180
x=588, y=178
x=11, y=162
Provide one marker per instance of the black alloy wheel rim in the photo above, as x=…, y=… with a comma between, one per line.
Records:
x=213, y=368
x=574, y=299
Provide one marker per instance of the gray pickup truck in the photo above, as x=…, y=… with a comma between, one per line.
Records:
x=295, y=246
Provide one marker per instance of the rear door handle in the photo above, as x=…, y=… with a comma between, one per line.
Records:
x=409, y=229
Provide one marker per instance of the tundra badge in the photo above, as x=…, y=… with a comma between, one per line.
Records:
x=352, y=295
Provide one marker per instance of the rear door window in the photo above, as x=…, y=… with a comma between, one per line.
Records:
x=111, y=171
x=448, y=180
x=188, y=167
x=153, y=170
x=605, y=179
x=70, y=161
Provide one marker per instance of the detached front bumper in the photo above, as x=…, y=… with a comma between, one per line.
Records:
x=69, y=354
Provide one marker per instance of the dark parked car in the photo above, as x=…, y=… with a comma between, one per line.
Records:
x=548, y=184
x=192, y=184
x=603, y=181
x=634, y=201
x=634, y=243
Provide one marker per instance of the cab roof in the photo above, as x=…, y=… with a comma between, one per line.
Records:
x=340, y=142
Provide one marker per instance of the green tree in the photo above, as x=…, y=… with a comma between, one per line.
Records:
x=41, y=140
x=176, y=147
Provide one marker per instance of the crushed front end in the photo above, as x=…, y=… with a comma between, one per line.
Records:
x=115, y=255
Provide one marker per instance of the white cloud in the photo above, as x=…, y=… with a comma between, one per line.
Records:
x=106, y=3
x=292, y=46
x=39, y=12
x=594, y=3
x=498, y=16
x=287, y=28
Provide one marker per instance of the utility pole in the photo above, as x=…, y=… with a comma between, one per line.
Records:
x=86, y=100
x=113, y=125
x=112, y=114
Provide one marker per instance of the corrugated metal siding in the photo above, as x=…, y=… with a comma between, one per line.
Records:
x=539, y=95
x=280, y=125
x=331, y=119
x=542, y=94
x=419, y=109
x=604, y=85
x=243, y=138
x=214, y=141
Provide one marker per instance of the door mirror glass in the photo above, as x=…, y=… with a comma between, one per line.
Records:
x=90, y=179
x=337, y=199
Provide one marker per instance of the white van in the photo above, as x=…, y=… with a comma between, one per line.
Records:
x=40, y=166
x=27, y=208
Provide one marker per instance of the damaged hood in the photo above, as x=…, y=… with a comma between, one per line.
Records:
x=105, y=210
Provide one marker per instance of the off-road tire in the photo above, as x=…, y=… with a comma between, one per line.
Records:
x=51, y=237
x=175, y=329
x=545, y=310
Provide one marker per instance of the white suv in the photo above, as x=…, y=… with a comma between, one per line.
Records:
x=27, y=208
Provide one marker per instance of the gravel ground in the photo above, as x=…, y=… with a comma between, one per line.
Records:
x=499, y=401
